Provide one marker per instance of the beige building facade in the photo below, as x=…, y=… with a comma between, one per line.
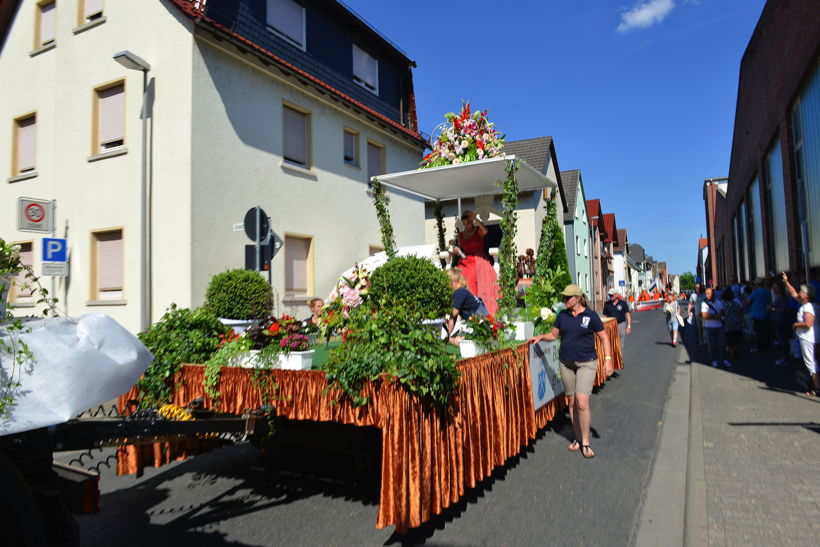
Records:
x=218, y=127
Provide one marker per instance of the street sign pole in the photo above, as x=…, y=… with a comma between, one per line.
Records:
x=53, y=234
x=258, y=238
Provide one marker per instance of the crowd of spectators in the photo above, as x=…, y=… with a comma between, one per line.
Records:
x=777, y=315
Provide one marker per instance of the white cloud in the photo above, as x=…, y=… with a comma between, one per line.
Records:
x=645, y=14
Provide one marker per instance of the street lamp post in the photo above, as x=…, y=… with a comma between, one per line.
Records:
x=134, y=62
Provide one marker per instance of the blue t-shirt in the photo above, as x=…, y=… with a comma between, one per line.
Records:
x=617, y=310
x=758, y=300
x=465, y=302
x=578, y=335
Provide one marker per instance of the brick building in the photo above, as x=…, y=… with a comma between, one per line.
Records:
x=769, y=219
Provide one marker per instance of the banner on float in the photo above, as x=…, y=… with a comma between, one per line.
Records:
x=544, y=373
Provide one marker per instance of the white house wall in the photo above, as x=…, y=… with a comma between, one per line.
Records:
x=237, y=164
x=58, y=84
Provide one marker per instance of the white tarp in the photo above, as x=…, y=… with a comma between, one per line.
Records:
x=466, y=180
x=78, y=364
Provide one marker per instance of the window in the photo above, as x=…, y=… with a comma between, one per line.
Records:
x=578, y=279
x=744, y=239
x=585, y=247
x=287, y=19
x=25, y=141
x=91, y=10
x=586, y=282
x=756, y=228
x=298, y=266
x=375, y=160
x=351, y=147
x=46, y=15
x=584, y=215
x=578, y=245
x=295, y=148
x=806, y=134
x=18, y=294
x=776, y=209
x=110, y=113
x=736, y=247
x=107, y=267
x=365, y=70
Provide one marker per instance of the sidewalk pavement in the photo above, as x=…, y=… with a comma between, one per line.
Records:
x=760, y=455
x=753, y=457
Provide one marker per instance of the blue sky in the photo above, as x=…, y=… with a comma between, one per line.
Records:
x=639, y=95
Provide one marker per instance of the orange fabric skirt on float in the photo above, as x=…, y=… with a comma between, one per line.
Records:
x=481, y=280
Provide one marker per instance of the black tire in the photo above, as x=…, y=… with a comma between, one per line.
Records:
x=21, y=520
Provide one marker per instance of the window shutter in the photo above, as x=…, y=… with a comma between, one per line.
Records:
x=92, y=7
x=365, y=67
x=296, y=264
x=109, y=261
x=26, y=143
x=288, y=18
x=112, y=114
x=350, y=148
x=295, y=142
x=47, y=17
x=26, y=258
x=374, y=161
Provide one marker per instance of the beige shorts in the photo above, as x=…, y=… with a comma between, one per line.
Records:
x=578, y=376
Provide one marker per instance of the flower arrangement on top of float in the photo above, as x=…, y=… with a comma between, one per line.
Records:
x=470, y=137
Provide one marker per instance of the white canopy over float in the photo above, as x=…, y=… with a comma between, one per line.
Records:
x=466, y=180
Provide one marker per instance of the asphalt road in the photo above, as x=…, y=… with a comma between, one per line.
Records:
x=546, y=495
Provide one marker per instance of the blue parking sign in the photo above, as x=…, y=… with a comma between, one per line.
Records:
x=55, y=250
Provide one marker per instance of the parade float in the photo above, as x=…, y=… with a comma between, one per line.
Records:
x=445, y=423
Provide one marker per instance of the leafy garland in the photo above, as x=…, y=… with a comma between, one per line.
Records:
x=508, y=275
x=440, y=230
x=381, y=201
x=11, y=346
x=546, y=242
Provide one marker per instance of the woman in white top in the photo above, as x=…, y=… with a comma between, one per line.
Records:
x=804, y=330
x=712, y=312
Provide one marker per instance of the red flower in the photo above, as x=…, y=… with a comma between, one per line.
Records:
x=479, y=143
x=274, y=328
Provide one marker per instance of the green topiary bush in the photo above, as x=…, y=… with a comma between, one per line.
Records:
x=413, y=284
x=239, y=294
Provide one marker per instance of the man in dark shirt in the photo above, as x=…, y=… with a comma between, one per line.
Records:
x=617, y=308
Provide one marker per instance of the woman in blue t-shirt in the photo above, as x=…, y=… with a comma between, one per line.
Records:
x=465, y=305
x=578, y=326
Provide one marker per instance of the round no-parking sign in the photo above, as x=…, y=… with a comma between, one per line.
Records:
x=34, y=215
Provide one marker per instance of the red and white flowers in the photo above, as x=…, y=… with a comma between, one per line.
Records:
x=470, y=137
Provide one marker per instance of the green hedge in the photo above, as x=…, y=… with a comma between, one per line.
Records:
x=239, y=294
x=413, y=284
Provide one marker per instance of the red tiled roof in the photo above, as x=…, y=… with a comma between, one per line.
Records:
x=594, y=210
x=703, y=242
x=195, y=9
x=611, y=230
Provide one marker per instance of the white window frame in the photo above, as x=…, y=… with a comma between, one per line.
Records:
x=101, y=145
x=38, y=33
x=366, y=63
x=382, y=159
x=308, y=140
x=15, y=295
x=355, y=161
x=301, y=44
x=111, y=293
x=309, y=272
x=87, y=16
x=17, y=170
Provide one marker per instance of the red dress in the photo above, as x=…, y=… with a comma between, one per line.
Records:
x=477, y=270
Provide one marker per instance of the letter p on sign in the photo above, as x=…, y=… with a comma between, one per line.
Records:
x=55, y=250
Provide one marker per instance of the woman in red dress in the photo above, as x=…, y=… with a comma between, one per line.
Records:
x=476, y=267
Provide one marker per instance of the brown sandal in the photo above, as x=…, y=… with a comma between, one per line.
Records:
x=587, y=452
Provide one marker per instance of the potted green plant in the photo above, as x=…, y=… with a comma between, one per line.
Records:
x=238, y=297
x=10, y=266
x=483, y=333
